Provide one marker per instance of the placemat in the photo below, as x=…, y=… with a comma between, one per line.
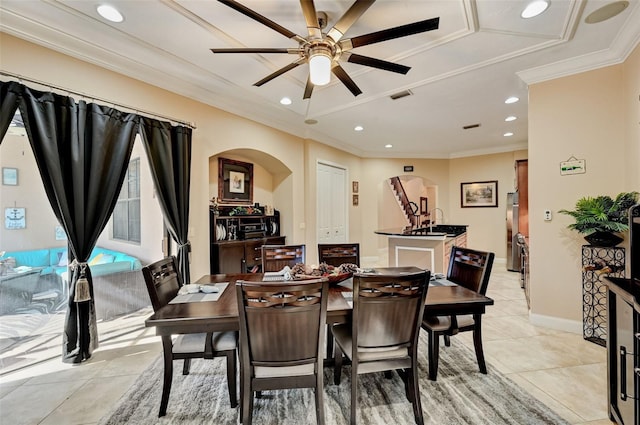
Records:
x=201, y=296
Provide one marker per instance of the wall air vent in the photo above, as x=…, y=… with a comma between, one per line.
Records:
x=470, y=126
x=401, y=94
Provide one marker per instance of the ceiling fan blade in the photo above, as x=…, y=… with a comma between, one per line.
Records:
x=349, y=18
x=391, y=33
x=311, y=16
x=262, y=19
x=375, y=63
x=255, y=50
x=308, y=89
x=279, y=72
x=339, y=72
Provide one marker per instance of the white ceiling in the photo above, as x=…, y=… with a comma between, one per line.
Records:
x=482, y=53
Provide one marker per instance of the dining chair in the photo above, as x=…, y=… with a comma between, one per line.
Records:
x=276, y=257
x=281, y=339
x=383, y=332
x=163, y=280
x=340, y=253
x=469, y=268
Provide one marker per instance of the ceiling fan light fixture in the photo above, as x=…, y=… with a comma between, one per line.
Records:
x=320, y=59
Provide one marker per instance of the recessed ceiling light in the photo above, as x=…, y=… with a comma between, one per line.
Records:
x=606, y=12
x=510, y=118
x=110, y=13
x=534, y=8
x=388, y=146
x=285, y=101
x=509, y=134
x=358, y=128
x=511, y=99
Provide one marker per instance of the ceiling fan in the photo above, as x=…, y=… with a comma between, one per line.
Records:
x=323, y=51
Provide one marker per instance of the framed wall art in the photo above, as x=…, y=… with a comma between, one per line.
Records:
x=479, y=194
x=356, y=200
x=15, y=218
x=354, y=186
x=9, y=176
x=235, y=182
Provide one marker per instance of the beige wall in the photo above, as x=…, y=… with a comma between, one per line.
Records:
x=487, y=225
x=15, y=152
x=591, y=116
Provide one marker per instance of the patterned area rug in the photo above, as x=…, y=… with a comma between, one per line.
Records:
x=461, y=395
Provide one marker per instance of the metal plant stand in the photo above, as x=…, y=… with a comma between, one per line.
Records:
x=598, y=263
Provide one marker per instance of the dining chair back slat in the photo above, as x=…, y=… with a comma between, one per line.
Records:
x=276, y=257
x=337, y=254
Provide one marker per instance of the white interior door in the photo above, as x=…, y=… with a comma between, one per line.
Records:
x=331, y=203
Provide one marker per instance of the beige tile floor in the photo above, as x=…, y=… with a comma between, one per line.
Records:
x=564, y=371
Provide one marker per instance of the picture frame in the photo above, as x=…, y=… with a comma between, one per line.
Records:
x=9, y=176
x=15, y=218
x=356, y=200
x=235, y=182
x=354, y=186
x=479, y=194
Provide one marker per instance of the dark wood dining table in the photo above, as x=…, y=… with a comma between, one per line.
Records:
x=443, y=298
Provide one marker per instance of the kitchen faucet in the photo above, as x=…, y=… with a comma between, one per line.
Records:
x=435, y=216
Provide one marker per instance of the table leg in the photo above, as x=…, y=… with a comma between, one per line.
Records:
x=477, y=342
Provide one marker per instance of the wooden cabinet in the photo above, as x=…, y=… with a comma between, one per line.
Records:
x=240, y=256
x=460, y=240
x=236, y=240
x=623, y=346
x=522, y=185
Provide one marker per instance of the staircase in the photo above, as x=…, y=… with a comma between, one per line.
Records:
x=403, y=200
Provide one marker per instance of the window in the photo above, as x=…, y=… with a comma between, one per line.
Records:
x=126, y=215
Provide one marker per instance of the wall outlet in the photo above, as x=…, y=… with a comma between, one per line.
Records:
x=547, y=215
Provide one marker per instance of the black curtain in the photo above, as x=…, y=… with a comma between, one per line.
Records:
x=169, y=152
x=82, y=151
x=9, y=97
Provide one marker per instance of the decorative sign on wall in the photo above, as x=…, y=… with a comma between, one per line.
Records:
x=15, y=218
x=573, y=166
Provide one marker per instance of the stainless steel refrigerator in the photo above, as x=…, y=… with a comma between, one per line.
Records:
x=513, y=251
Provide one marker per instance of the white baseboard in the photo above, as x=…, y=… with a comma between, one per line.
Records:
x=557, y=323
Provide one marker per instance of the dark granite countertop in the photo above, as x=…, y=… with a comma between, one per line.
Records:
x=447, y=230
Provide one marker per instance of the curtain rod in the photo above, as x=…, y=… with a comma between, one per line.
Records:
x=20, y=78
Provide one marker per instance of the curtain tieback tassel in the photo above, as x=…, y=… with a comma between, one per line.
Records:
x=82, y=286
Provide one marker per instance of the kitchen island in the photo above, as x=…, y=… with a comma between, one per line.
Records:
x=427, y=247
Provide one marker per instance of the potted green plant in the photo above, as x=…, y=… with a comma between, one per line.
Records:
x=602, y=218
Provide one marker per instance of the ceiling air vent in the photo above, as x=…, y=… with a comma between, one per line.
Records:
x=401, y=94
x=470, y=126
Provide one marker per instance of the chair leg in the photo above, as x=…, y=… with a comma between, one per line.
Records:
x=434, y=351
x=414, y=390
x=167, y=350
x=337, y=364
x=186, y=366
x=447, y=341
x=388, y=374
x=319, y=396
x=231, y=378
x=246, y=403
x=330, y=342
x=477, y=342
x=354, y=393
